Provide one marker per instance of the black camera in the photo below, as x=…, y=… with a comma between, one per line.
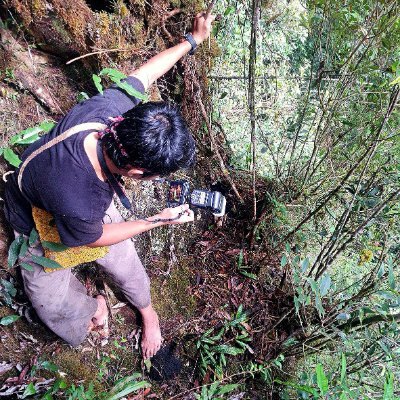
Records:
x=179, y=193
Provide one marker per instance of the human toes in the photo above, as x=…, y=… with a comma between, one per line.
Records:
x=150, y=350
x=101, y=314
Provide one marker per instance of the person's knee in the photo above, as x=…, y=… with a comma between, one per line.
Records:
x=138, y=291
x=142, y=301
x=46, y=306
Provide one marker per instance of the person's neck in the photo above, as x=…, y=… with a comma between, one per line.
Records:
x=90, y=145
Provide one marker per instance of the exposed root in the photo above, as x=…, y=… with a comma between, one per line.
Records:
x=25, y=71
x=164, y=19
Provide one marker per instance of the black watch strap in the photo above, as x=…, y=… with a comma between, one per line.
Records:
x=189, y=37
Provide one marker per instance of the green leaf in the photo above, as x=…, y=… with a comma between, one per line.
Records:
x=29, y=391
x=389, y=387
x=147, y=364
x=325, y=285
x=392, y=282
x=47, y=126
x=131, y=91
x=305, y=264
x=225, y=349
x=223, y=359
x=229, y=10
x=322, y=380
x=33, y=237
x=226, y=389
x=395, y=82
x=204, y=391
x=302, y=388
x=121, y=383
x=248, y=274
x=26, y=266
x=240, y=259
x=9, y=319
x=313, y=285
x=9, y=287
x=24, y=248
x=53, y=246
x=318, y=305
x=13, y=251
x=46, y=262
x=26, y=136
x=49, y=366
x=131, y=387
x=381, y=271
x=11, y=157
x=284, y=260
x=63, y=385
x=113, y=74
x=97, y=83
x=82, y=96
x=343, y=370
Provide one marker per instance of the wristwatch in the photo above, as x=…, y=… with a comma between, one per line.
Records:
x=189, y=37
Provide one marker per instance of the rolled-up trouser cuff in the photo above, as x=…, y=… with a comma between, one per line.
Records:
x=61, y=301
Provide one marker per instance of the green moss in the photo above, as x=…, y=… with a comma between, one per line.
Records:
x=38, y=9
x=137, y=30
x=122, y=9
x=77, y=368
x=58, y=26
x=140, y=3
x=195, y=6
x=170, y=295
x=4, y=311
x=176, y=3
x=103, y=23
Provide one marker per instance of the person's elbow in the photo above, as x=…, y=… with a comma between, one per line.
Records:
x=143, y=77
x=100, y=242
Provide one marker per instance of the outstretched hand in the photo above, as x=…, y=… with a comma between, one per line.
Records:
x=202, y=27
x=186, y=213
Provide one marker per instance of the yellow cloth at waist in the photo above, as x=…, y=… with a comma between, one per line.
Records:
x=69, y=257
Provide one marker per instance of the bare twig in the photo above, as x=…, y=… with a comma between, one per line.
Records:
x=220, y=159
x=210, y=8
x=97, y=52
x=252, y=89
x=165, y=18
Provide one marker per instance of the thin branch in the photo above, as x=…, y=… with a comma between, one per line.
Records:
x=103, y=51
x=256, y=8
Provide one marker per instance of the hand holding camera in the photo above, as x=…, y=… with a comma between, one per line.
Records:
x=179, y=199
x=176, y=215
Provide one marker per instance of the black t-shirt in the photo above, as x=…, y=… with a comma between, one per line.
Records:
x=62, y=180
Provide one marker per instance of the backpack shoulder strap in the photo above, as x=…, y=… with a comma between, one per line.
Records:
x=89, y=126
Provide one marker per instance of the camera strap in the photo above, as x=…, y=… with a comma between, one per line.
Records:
x=112, y=180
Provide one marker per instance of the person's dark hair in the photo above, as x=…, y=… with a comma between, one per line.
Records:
x=155, y=137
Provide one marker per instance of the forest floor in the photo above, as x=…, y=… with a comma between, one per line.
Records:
x=201, y=274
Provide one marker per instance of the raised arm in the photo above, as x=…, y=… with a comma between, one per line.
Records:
x=158, y=65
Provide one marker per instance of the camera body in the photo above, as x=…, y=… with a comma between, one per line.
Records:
x=179, y=193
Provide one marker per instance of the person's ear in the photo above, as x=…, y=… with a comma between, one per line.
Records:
x=135, y=173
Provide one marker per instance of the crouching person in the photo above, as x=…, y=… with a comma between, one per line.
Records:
x=69, y=178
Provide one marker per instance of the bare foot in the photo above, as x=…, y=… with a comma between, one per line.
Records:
x=100, y=318
x=151, y=337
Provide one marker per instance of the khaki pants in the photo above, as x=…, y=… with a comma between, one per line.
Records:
x=61, y=301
